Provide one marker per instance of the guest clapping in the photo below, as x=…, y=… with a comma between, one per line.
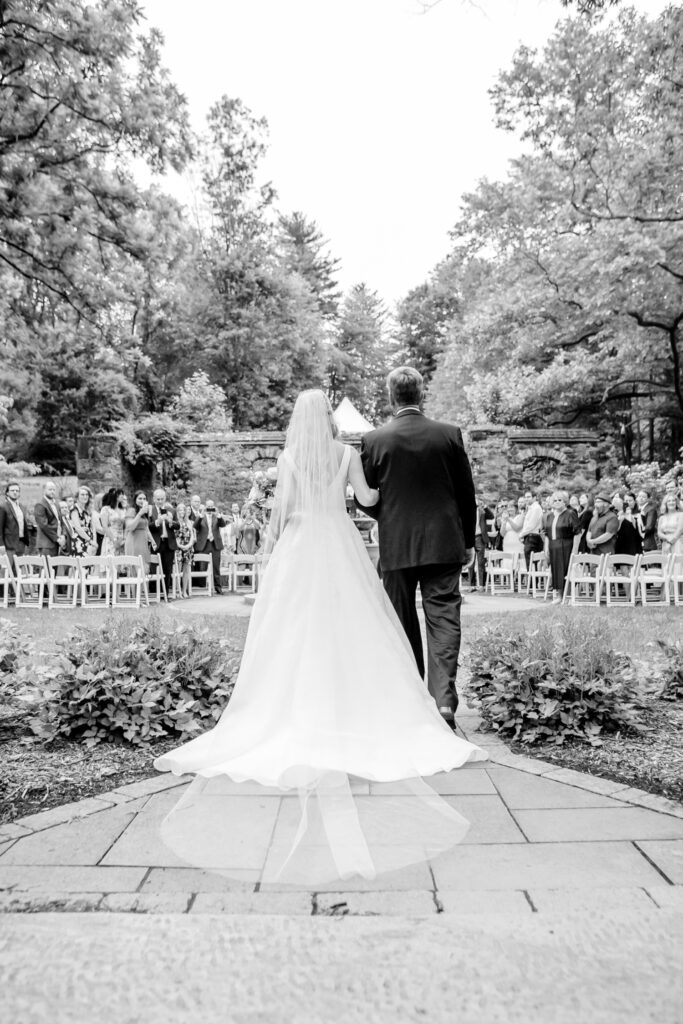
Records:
x=139, y=540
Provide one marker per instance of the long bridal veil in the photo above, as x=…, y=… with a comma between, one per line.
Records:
x=315, y=770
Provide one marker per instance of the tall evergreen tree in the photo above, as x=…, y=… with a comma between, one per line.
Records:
x=304, y=251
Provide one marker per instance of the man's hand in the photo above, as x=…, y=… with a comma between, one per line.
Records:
x=469, y=557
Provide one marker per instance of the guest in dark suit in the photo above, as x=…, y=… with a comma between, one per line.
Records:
x=163, y=526
x=427, y=517
x=14, y=535
x=209, y=541
x=50, y=538
x=561, y=533
x=647, y=520
x=67, y=529
x=483, y=538
x=585, y=515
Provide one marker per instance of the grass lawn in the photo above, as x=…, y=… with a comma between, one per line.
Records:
x=35, y=778
x=652, y=761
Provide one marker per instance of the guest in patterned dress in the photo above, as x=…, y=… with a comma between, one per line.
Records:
x=113, y=519
x=82, y=523
x=186, y=537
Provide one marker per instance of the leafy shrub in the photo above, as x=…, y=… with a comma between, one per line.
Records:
x=137, y=680
x=671, y=676
x=18, y=696
x=556, y=682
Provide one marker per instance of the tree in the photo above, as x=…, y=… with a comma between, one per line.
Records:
x=201, y=404
x=423, y=319
x=363, y=353
x=580, y=316
x=304, y=252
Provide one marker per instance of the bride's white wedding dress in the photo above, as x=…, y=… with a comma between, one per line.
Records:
x=328, y=698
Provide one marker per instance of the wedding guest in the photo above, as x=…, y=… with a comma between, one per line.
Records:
x=501, y=509
x=163, y=526
x=98, y=530
x=14, y=535
x=482, y=541
x=510, y=527
x=81, y=520
x=670, y=526
x=196, y=507
x=139, y=540
x=671, y=487
x=235, y=520
x=585, y=516
x=574, y=503
x=209, y=540
x=249, y=535
x=601, y=535
x=113, y=521
x=561, y=533
x=629, y=541
x=50, y=536
x=530, y=534
x=186, y=537
x=647, y=520
x=67, y=528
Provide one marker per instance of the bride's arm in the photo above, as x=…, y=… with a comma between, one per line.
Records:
x=364, y=494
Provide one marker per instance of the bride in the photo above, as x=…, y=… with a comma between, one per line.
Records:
x=328, y=706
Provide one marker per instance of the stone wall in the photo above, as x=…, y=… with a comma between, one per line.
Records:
x=505, y=461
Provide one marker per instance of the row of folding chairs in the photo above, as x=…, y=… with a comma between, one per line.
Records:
x=89, y=581
x=653, y=578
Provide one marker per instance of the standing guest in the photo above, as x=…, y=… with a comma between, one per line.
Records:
x=530, y=534
x=501, y=510
x=235, y=521
x=561, y=532
x=13, y=524
x=98, y=530
x=629, y=541
x=138, y=536
x=113, y=521
x=249, y=535
x=585, y=515
x=185, y=539
x=671, y=487
x=482, y=541
x=574, y=503
x=647, y=520
x=81, y=520
x=50, y=536
x=209, y=540
x=67, y=528
x=601, y=536
x=670, y=526
x=196, y=506
x=510, y=527
x=163, y=526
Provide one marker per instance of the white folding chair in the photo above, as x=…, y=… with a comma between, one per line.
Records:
x=31, y=580
x=95, y=573
x=676, y=577
x=201, y=570
x=154, y=575
x=619, y=578
x=127, y=581
x=583, y=584
x=6, y=580
x=244, y=571
x=539, y=575
x=227, y=569
x=500, y=569
x=653, y=578
x=63, y=582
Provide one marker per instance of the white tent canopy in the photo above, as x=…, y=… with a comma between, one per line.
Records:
x=349, y=420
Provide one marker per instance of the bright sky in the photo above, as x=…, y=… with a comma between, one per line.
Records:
x=379, y=114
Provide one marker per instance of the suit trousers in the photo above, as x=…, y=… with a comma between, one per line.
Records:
x=533, y=542
x=480, y=560
x=167, y=556
x=441, y=601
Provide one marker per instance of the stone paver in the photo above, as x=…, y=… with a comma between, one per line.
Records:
x=71, y=879
x=668, y=856
x=483, y=902
x=490, y=820
x=193, y=880
x=545, y=866
x=667, y=896
x=299, y=903
x=145, y=902
x=584, y=781
x=401, y=904
x=82, y=841
x=65, y=813
x=520, y=790
x=561, y=901
x=589, y=824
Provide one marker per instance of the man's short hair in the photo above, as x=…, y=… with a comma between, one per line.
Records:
x=12, y=483
x=405, y=386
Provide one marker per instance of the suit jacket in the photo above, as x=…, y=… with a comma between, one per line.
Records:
x=567, y=525
x=427, y=508
x=648, y=519
x=9, y=528
x=49, y=527
x=205, y=540
x=486, y=520
x=156, y=531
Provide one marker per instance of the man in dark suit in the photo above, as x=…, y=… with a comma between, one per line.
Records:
x=50, y=536
x=13, y=524
x=209, y=540
x=426, y=516
x=482, y=540
x=163, y=526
